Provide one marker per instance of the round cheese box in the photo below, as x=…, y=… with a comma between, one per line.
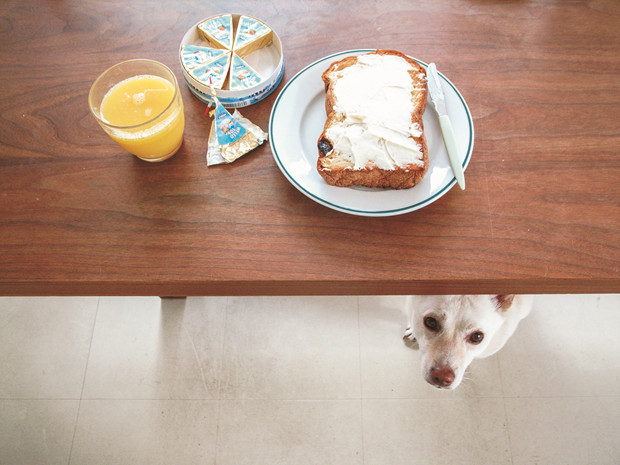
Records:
x=237, y=56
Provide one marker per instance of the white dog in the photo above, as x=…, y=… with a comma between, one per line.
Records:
x=453, y=330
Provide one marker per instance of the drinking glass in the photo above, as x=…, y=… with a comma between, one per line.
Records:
x=152, y=134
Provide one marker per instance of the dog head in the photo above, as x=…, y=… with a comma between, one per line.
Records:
x=453, y=330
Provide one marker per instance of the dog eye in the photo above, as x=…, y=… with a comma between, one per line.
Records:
x=476, y=338
x=431, y=323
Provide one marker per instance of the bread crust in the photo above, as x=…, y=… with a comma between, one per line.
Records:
x=340, y=172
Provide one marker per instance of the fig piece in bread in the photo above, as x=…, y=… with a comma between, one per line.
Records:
x=374, y=135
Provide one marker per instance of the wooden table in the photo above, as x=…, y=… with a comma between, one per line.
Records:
x=541, y=212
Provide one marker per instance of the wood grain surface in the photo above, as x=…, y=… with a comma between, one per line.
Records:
x=541, y=212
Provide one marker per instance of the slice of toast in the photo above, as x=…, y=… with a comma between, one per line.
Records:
x=374, y=135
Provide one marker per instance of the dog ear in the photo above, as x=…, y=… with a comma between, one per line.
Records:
x=503, y=301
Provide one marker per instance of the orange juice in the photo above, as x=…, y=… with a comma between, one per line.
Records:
x=146, y=116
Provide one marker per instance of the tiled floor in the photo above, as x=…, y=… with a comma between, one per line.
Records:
x=304, y=380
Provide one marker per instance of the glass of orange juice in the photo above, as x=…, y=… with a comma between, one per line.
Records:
x=138, y=104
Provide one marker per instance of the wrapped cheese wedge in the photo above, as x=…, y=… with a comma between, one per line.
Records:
x=218, y=31
x=213, y=73
x=232, y=136
x=193, y=56
x=242, y=76
x=251, y=35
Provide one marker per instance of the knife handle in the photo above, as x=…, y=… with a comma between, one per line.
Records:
x=453, y=150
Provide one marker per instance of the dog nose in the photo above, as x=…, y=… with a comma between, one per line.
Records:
x=442, y=376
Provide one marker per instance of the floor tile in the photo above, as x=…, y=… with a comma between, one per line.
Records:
x=119, y=432
x=264, y=432
x=567, y=346
x=148, y=348
x=392, y=369
x=292, y=348
x=36, y=432
x=44, y=346
x=574, y=430
x=280, y=380
x=433, y=431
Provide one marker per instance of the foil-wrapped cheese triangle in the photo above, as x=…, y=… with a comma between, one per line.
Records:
x=233, y=138
x=194, y=55
x=251, y=35
x=213, y=73
x=218, y=31
x=242, y=76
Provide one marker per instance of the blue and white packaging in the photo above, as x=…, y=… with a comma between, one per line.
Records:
x=267, y=61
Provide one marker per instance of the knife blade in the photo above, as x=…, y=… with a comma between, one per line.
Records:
x=439, y=102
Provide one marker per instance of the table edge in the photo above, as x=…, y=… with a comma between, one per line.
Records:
x=291, y=288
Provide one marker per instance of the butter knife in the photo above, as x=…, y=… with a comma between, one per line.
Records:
x=439, y=102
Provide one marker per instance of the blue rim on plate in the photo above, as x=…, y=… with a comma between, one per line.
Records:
x=283, y=153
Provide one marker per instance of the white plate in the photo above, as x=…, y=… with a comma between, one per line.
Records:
x=297, y=121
